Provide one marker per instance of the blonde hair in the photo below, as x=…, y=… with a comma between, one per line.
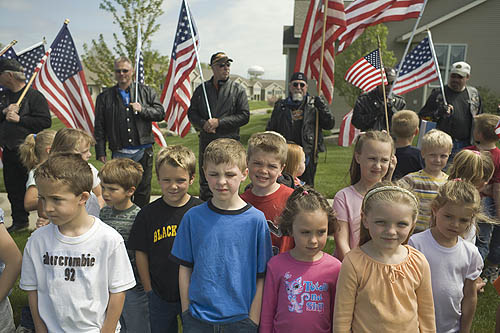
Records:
x=121, y=171
x=225, y=151
x=69, y=140
x=404, y=124
x=122, y=59
x=305, y=199
x=391, y=193
x=33, y=150
x=268, y=142
x=294, y=156
x=485, y=123
x=69, y=169
x=436, y=139
x=467, y=165
x=379, y=136
x=176, y=156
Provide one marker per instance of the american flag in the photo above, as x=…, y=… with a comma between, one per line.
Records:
x=365, y=73
x=418, y=69
x=309, y=54
x=62, y=81
x=347, y=132
x=176, y=95
x=140, y=78
x=364, y=13
x=30, y=58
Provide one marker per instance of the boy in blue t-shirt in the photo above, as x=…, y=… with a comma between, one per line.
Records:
x=222, y=247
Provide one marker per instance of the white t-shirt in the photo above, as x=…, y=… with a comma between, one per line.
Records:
x=31, y=179
x=74, y=275
x=450, y=266
x=95, y=175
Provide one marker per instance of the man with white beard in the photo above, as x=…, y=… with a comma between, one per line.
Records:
x=295, y=118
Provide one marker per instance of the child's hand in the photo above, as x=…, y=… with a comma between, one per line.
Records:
x=41, y=222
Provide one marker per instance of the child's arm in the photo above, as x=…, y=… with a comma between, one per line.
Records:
x=184, y=281
x=342, y=240
x=98, y=193
x=37, y=320
x=469, y=303
x=345, y=298
x=254, y=313
x=142, y=263
x=31, y=199
x=425, y=302
x=10, y=255
x=113, y=312
x=269, y=302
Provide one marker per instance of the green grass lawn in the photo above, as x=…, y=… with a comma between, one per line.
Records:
x=332, y=175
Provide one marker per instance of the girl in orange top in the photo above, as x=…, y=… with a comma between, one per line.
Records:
x=385, y=285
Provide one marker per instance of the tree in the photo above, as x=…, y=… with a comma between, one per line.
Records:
x=98, y=57
x=366, y=43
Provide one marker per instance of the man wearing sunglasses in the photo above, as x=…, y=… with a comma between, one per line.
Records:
x=16, y=123
x=295, y=118
x=125, y=122
x=369, y=110
x=228, y=106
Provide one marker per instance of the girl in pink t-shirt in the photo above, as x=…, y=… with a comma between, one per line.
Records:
x=373, y=159
x=300, y=285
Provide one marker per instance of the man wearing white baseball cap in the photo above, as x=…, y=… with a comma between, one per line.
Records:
x=464, y=103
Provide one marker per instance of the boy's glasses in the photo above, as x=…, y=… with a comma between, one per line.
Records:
x=297, y=84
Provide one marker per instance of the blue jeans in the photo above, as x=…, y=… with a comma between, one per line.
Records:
x=163, y=314
x=488, y=240
x=193, y=325
x=135, y=311
x=458, y=145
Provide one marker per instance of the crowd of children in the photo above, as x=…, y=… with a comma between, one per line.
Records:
x=410, y=239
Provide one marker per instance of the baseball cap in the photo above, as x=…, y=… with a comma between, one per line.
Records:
x=10, y=65
x=298, y=76
x=219, y=56
x=461, y=68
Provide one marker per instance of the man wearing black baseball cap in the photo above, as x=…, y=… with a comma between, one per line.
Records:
x=295, y=118
x=16, y=123
x=228, y=110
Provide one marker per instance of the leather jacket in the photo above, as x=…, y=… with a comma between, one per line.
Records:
x=369, y=110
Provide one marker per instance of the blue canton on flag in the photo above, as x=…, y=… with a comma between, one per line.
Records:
x=30, y=59
x=418, y=69
x=141, y=68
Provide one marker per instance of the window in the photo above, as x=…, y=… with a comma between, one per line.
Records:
x=447, y=54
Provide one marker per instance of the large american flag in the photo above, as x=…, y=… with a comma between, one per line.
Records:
x=309, y=54
x=62, y=81
x=365, y=73
x=364, y=13
x=418, y=69
x=176, y=95
x=159, y=138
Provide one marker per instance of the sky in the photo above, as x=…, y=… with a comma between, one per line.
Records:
x=249, y=31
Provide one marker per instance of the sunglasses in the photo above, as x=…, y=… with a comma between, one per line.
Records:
x=228, y=64
x=297, y=84
x=118, y=71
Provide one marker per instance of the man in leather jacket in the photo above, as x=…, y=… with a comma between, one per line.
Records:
x=464, y=103
x=228, y=107
x=127, y=125
x=369, y=110
x=295, y=119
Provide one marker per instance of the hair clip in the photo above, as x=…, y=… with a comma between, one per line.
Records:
x=34, y=136
x=477, y=152
x=305, y=192
x=457, y=180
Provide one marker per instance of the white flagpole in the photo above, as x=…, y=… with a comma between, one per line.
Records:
x=137, y=59
x=188, y=11
x=436, y=65
x=407, y=47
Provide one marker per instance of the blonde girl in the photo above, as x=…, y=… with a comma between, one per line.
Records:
x=385, y=285
x=373, y=159
x=455, y=263
x=295, y=163
x=33, y=152
x=71, y=140
x=300, y=285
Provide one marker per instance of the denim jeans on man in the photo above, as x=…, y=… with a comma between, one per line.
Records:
x=193, y=325
x=135, y=314
x=163, y=314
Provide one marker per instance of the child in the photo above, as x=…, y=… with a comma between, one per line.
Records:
x=33, y=152
x=299, y=290
x=370, y=163
x=404, y=128
x=436, y=148
x=222, y=247
x=488, y=240
x=295, y=163
x=266, y=159
x=154, y=231
x=119, y=179
x=76, y=269
x=385, y=285
x=455, y=263
x=71, y=140
x=10, y=267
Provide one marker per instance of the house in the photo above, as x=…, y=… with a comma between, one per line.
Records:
x=461, y=30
